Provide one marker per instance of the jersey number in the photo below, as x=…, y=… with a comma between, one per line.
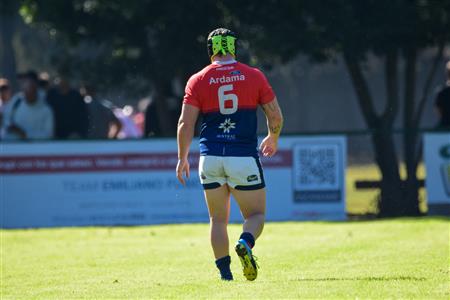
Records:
x=228, y=103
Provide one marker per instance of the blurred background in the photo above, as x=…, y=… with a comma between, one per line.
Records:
x=111, y=69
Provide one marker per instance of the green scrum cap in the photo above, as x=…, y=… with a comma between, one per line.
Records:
x=221, y=41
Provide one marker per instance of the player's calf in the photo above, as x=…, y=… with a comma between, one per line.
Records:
x=254, y=224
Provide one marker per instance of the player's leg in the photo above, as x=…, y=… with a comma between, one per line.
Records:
x=218, y=201
x=217, y=197
x=246, y=181
x=252, y=205
x=253, y=208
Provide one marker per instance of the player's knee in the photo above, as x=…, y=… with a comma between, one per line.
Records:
x=218, y=220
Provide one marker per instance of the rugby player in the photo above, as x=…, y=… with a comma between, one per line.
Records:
x=227, y=94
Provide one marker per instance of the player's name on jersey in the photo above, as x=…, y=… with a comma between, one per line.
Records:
x=226, y=79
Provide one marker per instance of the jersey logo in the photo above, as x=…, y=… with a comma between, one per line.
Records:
x=252, y=178
x=225, y=68
x=226, y=79
x=227, y=125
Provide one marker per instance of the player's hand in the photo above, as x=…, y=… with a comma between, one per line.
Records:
x=182, y=167
x=269, y=146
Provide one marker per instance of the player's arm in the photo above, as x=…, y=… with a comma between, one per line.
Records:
x=185, y=133
x=274, y=118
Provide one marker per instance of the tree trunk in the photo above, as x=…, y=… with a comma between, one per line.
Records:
x=412, y=138
x=8, y=18
x=382, y=140
x=412, y=186
x=410, y=201
x=391, y=184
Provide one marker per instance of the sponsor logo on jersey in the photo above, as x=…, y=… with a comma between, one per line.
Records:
x=226, y=79
x=225, y=68
x=252, y=178
x=227, y=125
x=236, y=72
x=229, y=137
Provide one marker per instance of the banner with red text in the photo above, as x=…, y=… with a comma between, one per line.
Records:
x=78, y=183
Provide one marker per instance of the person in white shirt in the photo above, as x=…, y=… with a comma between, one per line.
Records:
x=5, y=96
x=5, y=92
x=28, y=116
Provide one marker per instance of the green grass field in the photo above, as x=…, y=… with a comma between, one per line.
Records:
x=401, y=258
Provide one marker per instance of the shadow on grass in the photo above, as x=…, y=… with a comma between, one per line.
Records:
x=369, y=278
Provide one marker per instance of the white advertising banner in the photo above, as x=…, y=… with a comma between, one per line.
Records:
x=79, y=183
x=437, y=163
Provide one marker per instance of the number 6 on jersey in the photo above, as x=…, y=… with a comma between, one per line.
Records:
x=228, y=103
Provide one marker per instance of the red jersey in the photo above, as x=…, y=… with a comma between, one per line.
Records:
x=228, y=96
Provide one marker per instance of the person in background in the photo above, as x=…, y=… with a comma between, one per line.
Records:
x=5, y=92
x=103, y=124
x=44, y=81
x=152, y=127
x=139, y=121
x=5, y=96
x=71, y=113
x=442, y=103
x=28, y=115
x=129, y=128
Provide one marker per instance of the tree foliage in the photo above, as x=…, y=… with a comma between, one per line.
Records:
x=396, y=31
x=138, y=37
x=161, y=40
x=134, y=39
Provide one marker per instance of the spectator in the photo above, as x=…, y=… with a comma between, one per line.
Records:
x=28, y=116
x=152, y=127
x=5, y=92
x=71, y=115
x=139, y=120
x=443, y=103
x=129, y=128
x=5, y=96
x=103, y=124
x=44, y=81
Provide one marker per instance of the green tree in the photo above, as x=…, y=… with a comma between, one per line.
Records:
x=397, y=31
x=163, y=40
x=134, y=39
x=8, y=23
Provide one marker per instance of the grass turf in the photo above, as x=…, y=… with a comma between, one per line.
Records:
x=400, y=258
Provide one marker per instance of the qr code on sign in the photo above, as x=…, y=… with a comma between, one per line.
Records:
x=316, y=166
